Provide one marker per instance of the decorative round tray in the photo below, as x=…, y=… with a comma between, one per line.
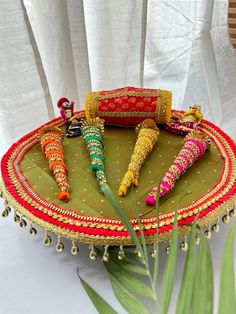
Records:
x=29, y=188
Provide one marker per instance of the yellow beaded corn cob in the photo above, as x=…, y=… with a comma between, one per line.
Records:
x=147, y=136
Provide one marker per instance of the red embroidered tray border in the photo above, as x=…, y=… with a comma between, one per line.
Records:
x=93, y=220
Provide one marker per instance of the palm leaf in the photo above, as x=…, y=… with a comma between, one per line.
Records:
x=227, y=298
x=129, y=281
x=127, y=265
x=123, y=216
x=168, y=275
x=187, y=284
x=100, y=304
x=143, y=240
x=126, y=299
x=202, y=298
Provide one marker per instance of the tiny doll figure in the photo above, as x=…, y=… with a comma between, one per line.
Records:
x=66, y=108
x=73, y=122
x=73, y=126
x=183, y=123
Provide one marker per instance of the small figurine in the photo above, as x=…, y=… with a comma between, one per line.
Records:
x=66, y=108
x=183, y=123
x=73, y=122
x=73, y=126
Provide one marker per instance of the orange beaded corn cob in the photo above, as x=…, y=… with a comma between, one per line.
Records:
x=51, y=138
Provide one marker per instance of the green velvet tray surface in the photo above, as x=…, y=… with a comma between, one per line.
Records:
x=119, y=144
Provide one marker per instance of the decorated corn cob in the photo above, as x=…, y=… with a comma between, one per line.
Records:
x=51, y=138
x=195, y=145
x=147, y=137
x=92, y=132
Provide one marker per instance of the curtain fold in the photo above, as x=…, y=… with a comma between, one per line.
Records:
x=65, y=48
x=50, y=23
x=22, y=106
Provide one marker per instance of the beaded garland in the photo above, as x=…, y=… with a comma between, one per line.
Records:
x=51, y=138
x=195, y=145
x=92, y=132
x=147, y=137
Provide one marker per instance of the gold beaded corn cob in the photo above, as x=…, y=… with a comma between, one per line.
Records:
x=147, y=136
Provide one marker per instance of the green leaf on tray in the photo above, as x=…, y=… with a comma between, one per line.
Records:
x=100, y=304
x=129, y=281
x=227, y=296
x=187, y=284
x=202, y=298
x=169, y=271
x=122, y=215
x=126, y=299
x=143, y=239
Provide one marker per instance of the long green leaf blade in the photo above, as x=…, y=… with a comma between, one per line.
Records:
x=100, y=304
x=127, y=265
x=122, y=215
x=126, y=299
x=227, y=297
x=168, y=275
x=187, y=284
x=143, y=240
x=129, y=281
x=202, y=299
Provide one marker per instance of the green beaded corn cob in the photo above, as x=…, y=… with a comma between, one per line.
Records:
x=92, y=132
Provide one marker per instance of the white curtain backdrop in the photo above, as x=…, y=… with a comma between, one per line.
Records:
x=50, y=49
